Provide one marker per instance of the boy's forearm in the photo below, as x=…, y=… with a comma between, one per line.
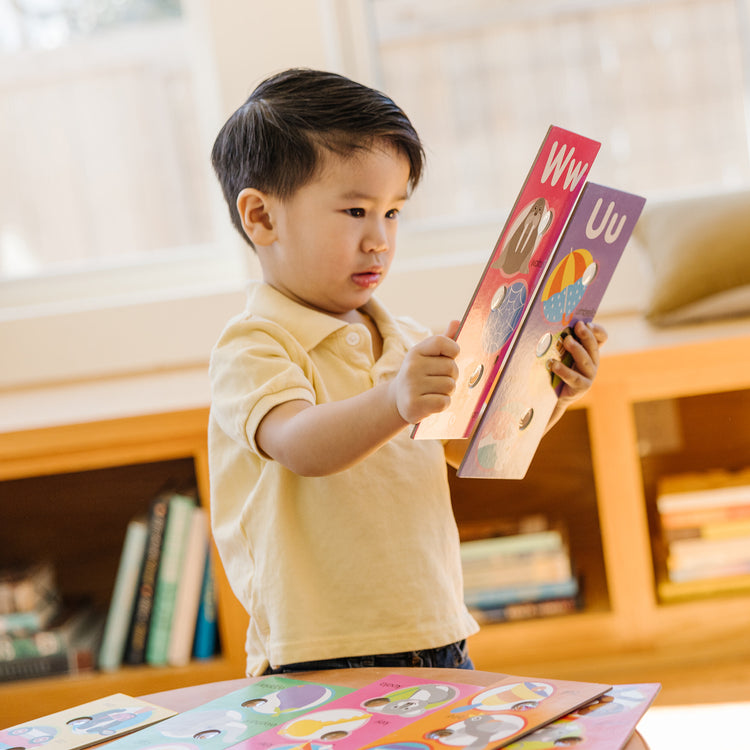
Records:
x=322, y=439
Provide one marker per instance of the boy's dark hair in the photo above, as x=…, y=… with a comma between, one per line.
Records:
x=274, y=140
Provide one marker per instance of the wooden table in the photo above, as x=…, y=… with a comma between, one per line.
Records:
x=184, y=699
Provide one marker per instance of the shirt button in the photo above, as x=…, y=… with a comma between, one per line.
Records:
x=352, y=338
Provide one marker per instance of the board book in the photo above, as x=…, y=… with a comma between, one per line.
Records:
x=282, y=712
x=604, y=724
x=512, y=276
x=229, y=720
x=85, y=725
x=518, y=409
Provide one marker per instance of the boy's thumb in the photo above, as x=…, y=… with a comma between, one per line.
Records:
x=452, y=329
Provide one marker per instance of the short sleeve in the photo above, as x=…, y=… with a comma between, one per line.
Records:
x=254, y=367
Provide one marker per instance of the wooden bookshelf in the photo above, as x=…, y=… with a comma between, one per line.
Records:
x=666, y=407
x=67, y=493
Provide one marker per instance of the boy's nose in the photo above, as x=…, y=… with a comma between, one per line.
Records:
x=376, y=240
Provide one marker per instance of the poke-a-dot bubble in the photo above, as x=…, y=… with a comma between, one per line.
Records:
x=543, y=344
x=476, y=375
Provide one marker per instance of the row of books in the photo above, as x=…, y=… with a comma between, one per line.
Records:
x=704, y=533
x=40, y=634
x=163, y=609
x=394, y=711
x=523, y=573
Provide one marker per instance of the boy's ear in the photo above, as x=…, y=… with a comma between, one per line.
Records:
x=254, y=208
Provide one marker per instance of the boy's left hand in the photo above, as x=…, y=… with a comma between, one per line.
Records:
x=584, y=348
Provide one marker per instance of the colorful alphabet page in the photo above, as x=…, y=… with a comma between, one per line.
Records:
x=495, y=716
x=232, y=718
x=362, y=717
x=517, y=412
x=512, y=276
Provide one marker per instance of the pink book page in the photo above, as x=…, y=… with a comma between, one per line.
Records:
x=363, y=716
x=605, y=724
x=517, y=411
x=494, y=716
x=511, y=277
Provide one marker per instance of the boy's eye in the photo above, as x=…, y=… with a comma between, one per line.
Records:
x=357, y=213
x=393, y=214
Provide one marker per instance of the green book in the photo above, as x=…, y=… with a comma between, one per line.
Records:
x=179, y=515
x=124, y=595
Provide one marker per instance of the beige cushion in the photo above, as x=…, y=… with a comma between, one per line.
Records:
x=698, y=252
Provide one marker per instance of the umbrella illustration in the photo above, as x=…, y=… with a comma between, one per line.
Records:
x=566, y=285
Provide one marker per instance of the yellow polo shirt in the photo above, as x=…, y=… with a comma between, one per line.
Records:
x=364, y=561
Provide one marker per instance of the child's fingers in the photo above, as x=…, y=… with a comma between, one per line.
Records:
x=438, y=346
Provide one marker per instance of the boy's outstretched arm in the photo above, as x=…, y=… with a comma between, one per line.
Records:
x=584, y=348
x=320, y=439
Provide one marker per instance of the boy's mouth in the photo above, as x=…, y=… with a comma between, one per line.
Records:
x=367, y=279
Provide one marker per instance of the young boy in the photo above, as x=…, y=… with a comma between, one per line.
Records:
x=335, y=527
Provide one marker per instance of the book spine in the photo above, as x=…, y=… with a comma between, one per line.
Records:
x=699, y=517
x=206, y=627
x=26, y=623
x=527, y=610
x=170, y=568
x=189, y=591
x=27, y=589
x=723, y=497
x=514, y=544
x=32, y=667
x=541, y=568
x=492, y=598
x=136, y=649
x=44, y=643
x=121, y=607
x=78, y=642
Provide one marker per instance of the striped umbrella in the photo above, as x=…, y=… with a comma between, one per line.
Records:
x=565, y=286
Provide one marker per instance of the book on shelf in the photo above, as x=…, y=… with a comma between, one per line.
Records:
x=28, y=588
x=519, y=576
x=21, y=623
x=704, y=533
x=122, y=604
x=527, y=610
x=29, y=598
x=174, y=544
x=187, y=600
x=524, y=592
x=69, y=646
x=694, y=491
x=205, y=642
x=700, y=588
x=135, y=652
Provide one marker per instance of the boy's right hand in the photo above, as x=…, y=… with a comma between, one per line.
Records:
x=427, y=377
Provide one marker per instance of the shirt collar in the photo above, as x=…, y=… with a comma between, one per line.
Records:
x=307, y=325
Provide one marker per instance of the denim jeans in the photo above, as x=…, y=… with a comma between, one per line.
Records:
x=452, y=656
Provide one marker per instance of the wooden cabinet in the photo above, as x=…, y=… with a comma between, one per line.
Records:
x=670, y=408
x=661, y=409
x=66, y=493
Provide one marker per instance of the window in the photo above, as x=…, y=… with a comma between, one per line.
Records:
x=104, y=166
x=660, y=83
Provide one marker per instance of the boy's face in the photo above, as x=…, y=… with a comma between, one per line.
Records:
x=335, y=238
